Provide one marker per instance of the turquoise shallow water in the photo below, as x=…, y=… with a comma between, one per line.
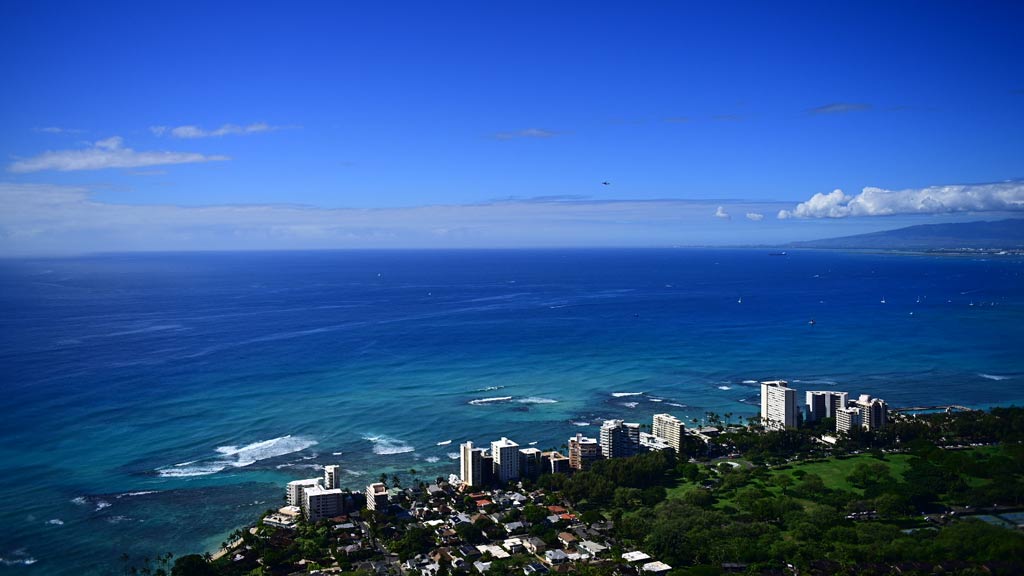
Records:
x=155, y=402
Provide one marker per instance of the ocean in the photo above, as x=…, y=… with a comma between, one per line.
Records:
x=155, y=402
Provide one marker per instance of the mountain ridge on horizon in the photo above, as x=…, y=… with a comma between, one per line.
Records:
x=982, y=234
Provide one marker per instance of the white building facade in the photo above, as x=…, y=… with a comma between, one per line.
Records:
x=778, y=405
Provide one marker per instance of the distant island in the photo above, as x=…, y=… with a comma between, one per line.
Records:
x=987, y=237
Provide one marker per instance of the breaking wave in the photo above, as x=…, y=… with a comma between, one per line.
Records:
x=480, y=401
x=238, y=457
x=536, y=400
x=385, y=445
x=630, y=404
x=725, y=388
x=453, y=455
x=996, y=377
x=17, y=558
x=431, y=459
x=624, y=394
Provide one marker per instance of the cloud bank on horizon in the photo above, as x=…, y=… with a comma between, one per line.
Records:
x=1002, y=196
x=46, y=218
x=106, y=153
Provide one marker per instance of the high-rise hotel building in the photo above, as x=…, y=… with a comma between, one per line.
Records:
x=471, y=467
x=506, y=459
x=670, y=429
x=778, y=405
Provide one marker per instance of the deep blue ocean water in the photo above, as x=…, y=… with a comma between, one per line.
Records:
x=156, y=402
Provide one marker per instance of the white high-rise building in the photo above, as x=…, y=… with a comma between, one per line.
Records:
x=670, y=429
x=619, y=439
x=471, y=462
x=331, y=477
x=778, y=405
x=319, y=502
x=377, y=496
x=295, y=489
x=506, y=459
x=824, y=403
x=583, y=451
x=847, y=419
x=873, y=412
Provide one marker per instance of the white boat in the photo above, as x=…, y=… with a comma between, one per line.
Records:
x=444, y=443
x=883, y=299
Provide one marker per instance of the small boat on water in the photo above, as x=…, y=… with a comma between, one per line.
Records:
x=812, y=322
x=739, y=300
x=444, y=443
x=883, y=300
x=777, y=253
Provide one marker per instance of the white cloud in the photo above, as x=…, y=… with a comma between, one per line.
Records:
x=721, y=213
x=527, y=133
x=755, y=216
x=190, y=131
x=1004, y=196
x=58, y=130
x=106, y=153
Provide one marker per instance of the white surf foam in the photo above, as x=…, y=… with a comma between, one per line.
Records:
x=139, y=493
x=385, y=445
x=238, y=457
x=18, y=558
x=656, y=399
x=55, y=522
x=676, y=404
x=79, y=500
x=630, y=404
x=581, y=423
x=624, y=394
x=480, y=401
x=995, y=377
x=536, y=400
x=750, y=381
x=453, y=455
x=725, y=388
x=488, y=389
x=432, y=459
x=101, y=504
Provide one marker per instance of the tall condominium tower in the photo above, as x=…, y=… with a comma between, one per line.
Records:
x=506, y=459
x=331, y=476
x=619, y=439
x=471, y=465
x=824, y=403
x=873, y=412
x=670, y=429
x=778, y=405
x=583, y=451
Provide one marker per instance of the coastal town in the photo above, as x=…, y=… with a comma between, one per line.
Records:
x=511, y=509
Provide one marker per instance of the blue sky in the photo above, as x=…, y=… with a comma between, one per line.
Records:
x=397, y=124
